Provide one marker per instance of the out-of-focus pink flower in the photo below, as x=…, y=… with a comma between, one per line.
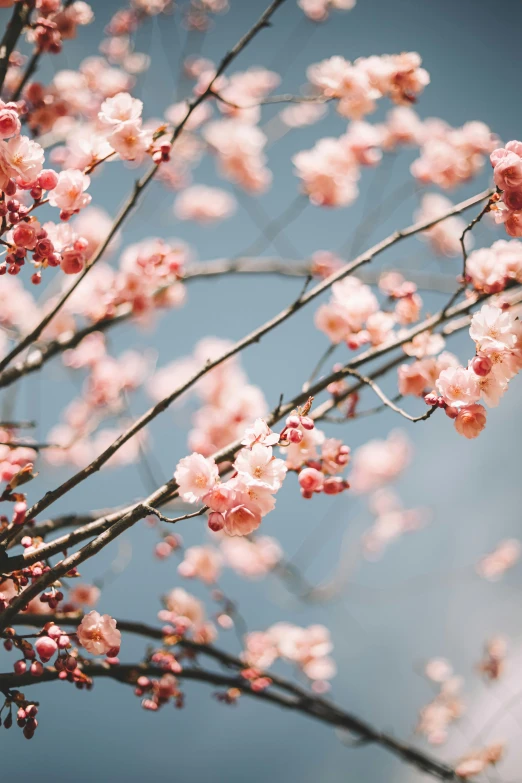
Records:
x=203, y=204
x=183, y=605
x=444, y=237
x=201, y=562
x=504, y=557
x=84, y=595
x=252, y=559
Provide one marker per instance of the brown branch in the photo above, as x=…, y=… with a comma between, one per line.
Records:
x=15, y=26
x=140, y=184
x=168, y=491
x=294, y=698
x=254, y=337
x=201, y=271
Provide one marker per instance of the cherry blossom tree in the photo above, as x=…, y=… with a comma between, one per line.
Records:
x=87, y=124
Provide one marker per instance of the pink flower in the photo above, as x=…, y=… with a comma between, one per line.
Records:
x=220, y=498
x=195, y=476
x=508, y=172
x=444, y=237
x=458, y=386
x=255, y=495
x=492, y=386
x=332, y=319
x=120, y=108
x=181, y=604
x=98, y=634
x=9, y=121
x=69, y=195
x=201, y=562
x=496, y=563
x=241, y=521
x=416, y=378
x=492, y=328
x=252, y=559
x=259, y=464
x=205, y=205
x=20, y=157
x=84, y=595
x=130, y=141
x=470, y=420
x=260, y=433
x=329, y=173
x=379, y=461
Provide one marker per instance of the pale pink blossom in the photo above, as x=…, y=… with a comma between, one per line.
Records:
x=20, y=157
x=492, y=387
x=84, y=595
x=379, y=461
x=98, y=634
x=332, y=319
x=130, y=141
x=444, y=236
x=201, y=562
x=329, y=173
x=260, y=433
x=252, y=559
x=493, y=329
x=69, y=194
x=204, y=205
x=259, y=464
x=182, y=605
x=120, y=108
x=195, y=476
x=458, y=386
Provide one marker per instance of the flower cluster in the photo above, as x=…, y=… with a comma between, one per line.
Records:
x=204, y=205
x=185, y=614
x=239, y=147
x=76, y=440
x=498, y=338
x=479, y=760
x=490, y=269
x=391, y=521
x=444, y=237
x=307, y=648
x=229, y=402
x=507, y=173
x=237, y=505
x=451, y=156
x=436, y=717
x=358, y=86
x=353, y=315
x=120, y=117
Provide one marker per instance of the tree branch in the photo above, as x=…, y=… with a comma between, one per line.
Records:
x=298, y=699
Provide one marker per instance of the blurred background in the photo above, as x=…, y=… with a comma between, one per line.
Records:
x=423, y=598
